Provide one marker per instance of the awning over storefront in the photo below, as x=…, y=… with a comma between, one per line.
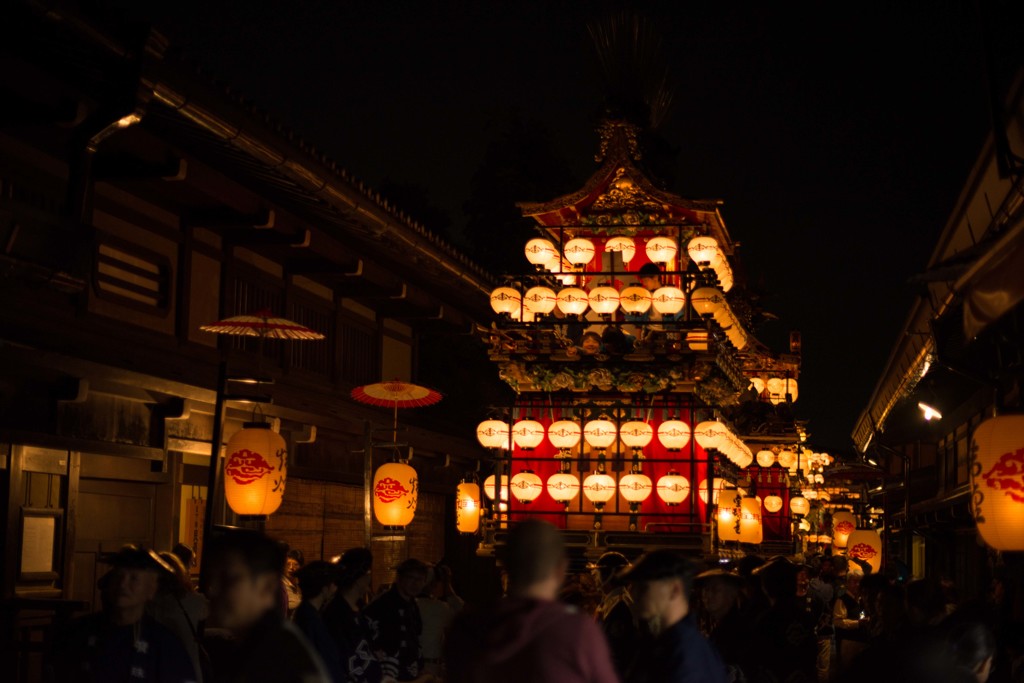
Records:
x=995, y=285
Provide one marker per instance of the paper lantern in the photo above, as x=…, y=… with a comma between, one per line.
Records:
x=467, y=507
x=709, y=433
x=673, y=488
x=805, y=525
x=865, y=545
x=635, y=300
x=674, y=434
x=725, y=276
x=776, y=390
x=997, y=481
x=843, y=524
x=704, y=251
x=599, y=433
x=668, y=300
x=540, y=300
x=506, y=301
x=728, y=523
x=564, y=434
x=526, y=487
x=493, y=434
x=765, y=458
x=599, y=488
x=758, y=384
x=572, y=301
x=636, y=487
x=707, y=300
x=527, y=434
x=751, y=530
x=624, y=245
x=540, y=251
x=255, y=470
x=773, y=503
x=563, y=487
x=791, y=387
x=798, y=505
x=395, y=490
x=604, y=300
x=636, y=434
x=579, y=251
x=489, y=487
x=661, y=249
x=787, y=459
x=697, y=341
x=702, y=490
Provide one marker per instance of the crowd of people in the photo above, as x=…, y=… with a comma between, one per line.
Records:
x=264, y=614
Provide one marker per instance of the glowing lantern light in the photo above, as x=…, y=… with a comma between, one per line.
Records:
x=623, y=245
x=776, y=390
x=759, y=384
x=997, y=463
x=702, y=490
x=635, y=300
x=704, y=251
x=787, y=459
x=526, y=487
x=743, y=459
x=395, y=490
x=636, y=434
x=506, y=301
x=709, y=434
x=579, y=251
x=725, y=277
x=599, y=488
x=673, y=488
x=843, y=524
x=668, y=300
x=493, y=434
x=798, y=505
x=791, y=387
x=564, y=434
x=661, y=249
x=805, y=525
x=572, y=301
x=674, y=434
x=599, y=433
x=706, y=300
x=636, y=487
x=604, y=300
x=751, y=530
x=540, y=252
x=467, y=508
x=527, y=434
x=489, y=487
x=540, y=300
x=865, y=545
x=255, y=470
x=765, y=458
x=772, y=503
x=563, y=487
x=728, y=524
x=697, y=341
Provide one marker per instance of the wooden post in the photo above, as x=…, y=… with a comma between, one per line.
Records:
x=212, y=481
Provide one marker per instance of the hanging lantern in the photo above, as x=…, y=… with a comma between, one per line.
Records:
x=805, y=525
x=489, y=487
x=765, y=458
x=743, y=459
x=255, y=470
x=492, y=434
x=599, y=488
x=709, y=433
x=635, y=300
x=673, y=488
x=636, y=487
x=395, y=490
x=798, y=505
x=540, y=251
x=706, y=300
x=600, y=434
x=563, y=487
x=668, y=300
x=843, y=524
x=579, y=251
x=564, y=434
x=997, y=481
x=704, y=251
x=728, y=523
x=467, y=507
x=725, y=277
x=751, y=530
x=674, y=434
x=527, y=434
x=572, y=301
x=636, y=434
x=540, y=300
x=526, y=487
x=759, y=385
x=697, y=341
x=661, y=249
x=776, y=390
x=790, y=387
x=865, y=545
x=506, y=301
x=604, y=300
x=787, y=459
x=772, y=503
x=702, y=490
x=623, y=245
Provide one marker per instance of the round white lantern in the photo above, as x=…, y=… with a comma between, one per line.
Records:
x=707, y=300
x=506, y=301
x=704, y=251
x=773, y=503
x=493, y=434
x=527, y=434
x=564, y=434
x=526, y=486
x=599, y=489
x=865, y=545
x=489, y=487
x=787, y=459
x=600, y=433
x=572, y=301
x=579, y=251
x=636, y=487
x=540, y=251
x=635, y=300
x=668, y=300
x=636, y=434
x=798, y=505
x=623, y=245
x=702, y=490
x=673, y=488
x=759, y=384
x=674, y=434
x=661, y=249
x=604, y=299
x=709, y=433
x=765, y=458
x=540, y=300
x=563, y=487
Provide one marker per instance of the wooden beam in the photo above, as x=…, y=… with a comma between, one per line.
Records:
x=125, y=167
x=219, y=218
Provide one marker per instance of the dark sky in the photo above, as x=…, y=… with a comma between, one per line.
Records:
x=838, y=141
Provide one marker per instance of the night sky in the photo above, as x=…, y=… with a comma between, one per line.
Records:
x=839, y=142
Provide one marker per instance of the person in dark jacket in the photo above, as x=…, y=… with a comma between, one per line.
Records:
x=395, y=622
x=725, y=625
x=528, y=636
x=318, y=582
x=615, y=613
x=661, y=583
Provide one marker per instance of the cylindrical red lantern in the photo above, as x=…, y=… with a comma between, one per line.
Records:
x=395, y=491
x=255, y=470
x=467, y=507
x=997, y=481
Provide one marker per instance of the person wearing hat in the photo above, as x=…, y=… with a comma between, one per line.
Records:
x=615, y=613
x=661, y=584
x=122, y=642
x=721, y=598
x=787, y=648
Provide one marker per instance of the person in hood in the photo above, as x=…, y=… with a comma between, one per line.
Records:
x=528, y=636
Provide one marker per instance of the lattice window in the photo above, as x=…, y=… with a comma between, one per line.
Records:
x=360, y=353
x=132, y=275
x=314, y=356
x=250, y=292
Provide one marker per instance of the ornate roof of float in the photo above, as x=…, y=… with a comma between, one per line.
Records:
x=621, y=196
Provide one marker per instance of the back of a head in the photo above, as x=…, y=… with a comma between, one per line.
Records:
x=355, y=563
x=413, y=566
x=259, y=553
x=534, y=550
x=316, y=576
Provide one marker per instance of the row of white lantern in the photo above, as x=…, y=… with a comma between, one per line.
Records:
x=604, y=300
x=599, y=488
x=777, y=387
x=709, y=301
x=580, y=251
x=705, y=252
x=566, y=434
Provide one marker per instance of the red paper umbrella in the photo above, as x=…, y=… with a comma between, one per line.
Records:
x=262, y=324
x=396, y=394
